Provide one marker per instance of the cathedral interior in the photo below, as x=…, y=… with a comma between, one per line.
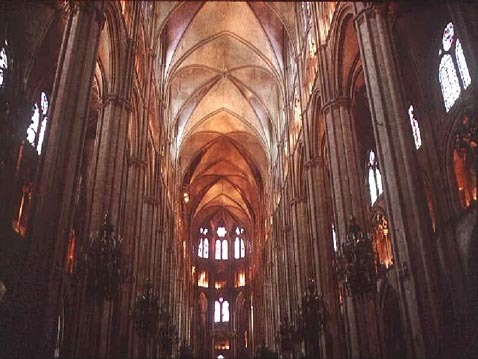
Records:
x=238, y=180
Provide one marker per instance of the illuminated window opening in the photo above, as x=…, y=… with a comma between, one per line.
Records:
x=220, y=284
x=452, y=63
x=36, y=130
x=374, y=178
x=203, y=280
x=239, y=248
x=240, y=279
x=3, y=65
x=417, y=138
x=221, y=232
x=221, y=310
x=334, y=238
x=222, y=249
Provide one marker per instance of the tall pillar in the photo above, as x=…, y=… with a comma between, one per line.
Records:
x=411, y=230
x=106, y=186
x=319, y=238
x=36, y=316
x=360, y=311
x=321, y=247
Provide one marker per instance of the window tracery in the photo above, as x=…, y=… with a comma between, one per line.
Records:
x=452, y=63
x=374, y=178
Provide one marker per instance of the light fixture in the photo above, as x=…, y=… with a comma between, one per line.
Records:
x=356, y=265
x=102, y=260
x=146, y=312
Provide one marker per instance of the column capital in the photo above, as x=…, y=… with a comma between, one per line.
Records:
x=369, y=9
x=117, y=100
x=297, y=199
x=152, y=200
x=313, y=162
x=135, y=161
x=92, y=7
x=286, y=228
x=339, y=101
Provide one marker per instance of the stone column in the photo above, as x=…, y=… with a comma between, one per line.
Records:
x=411, y=230
x=36, y=316
x=319, y=237
x=323, y=255
x=347, y=184
x=106, y=186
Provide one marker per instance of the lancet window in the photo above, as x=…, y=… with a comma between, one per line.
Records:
x=3, y=65
x=222, y=245
x=36, y=130
x=453, y=71
x=203, y=247
x=374, y=178
x=221, y=310
x=417, y=138
x=239, y=244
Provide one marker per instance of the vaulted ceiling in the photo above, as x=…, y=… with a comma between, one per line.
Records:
x=224, y=74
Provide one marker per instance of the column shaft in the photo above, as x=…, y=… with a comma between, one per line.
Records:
x=406, y=203
x=40, y=290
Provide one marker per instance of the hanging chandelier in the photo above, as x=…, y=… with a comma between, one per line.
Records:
x=286, y=335
x=103, y=261
x=146, y=312
x=356, y=262
x=167, y=334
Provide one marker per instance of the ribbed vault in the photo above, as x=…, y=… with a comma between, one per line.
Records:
x=223, y=64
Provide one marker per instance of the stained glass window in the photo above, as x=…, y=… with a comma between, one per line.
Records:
x=36, y=130
x=221, y=232
x=415, y=128
x=206, y=248
x=3, y=65
x=334, y=238
x=200, y=248
x=217, y=311
x=452, y=64
x=450, y=87
x=221, y=310
x=462, y=67
x=374, y=178
x=225, y=311
x=222, y=249
x=239, y=248
x=218, y=249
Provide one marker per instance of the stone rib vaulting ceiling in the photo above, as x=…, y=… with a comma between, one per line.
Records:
x=224, y=70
